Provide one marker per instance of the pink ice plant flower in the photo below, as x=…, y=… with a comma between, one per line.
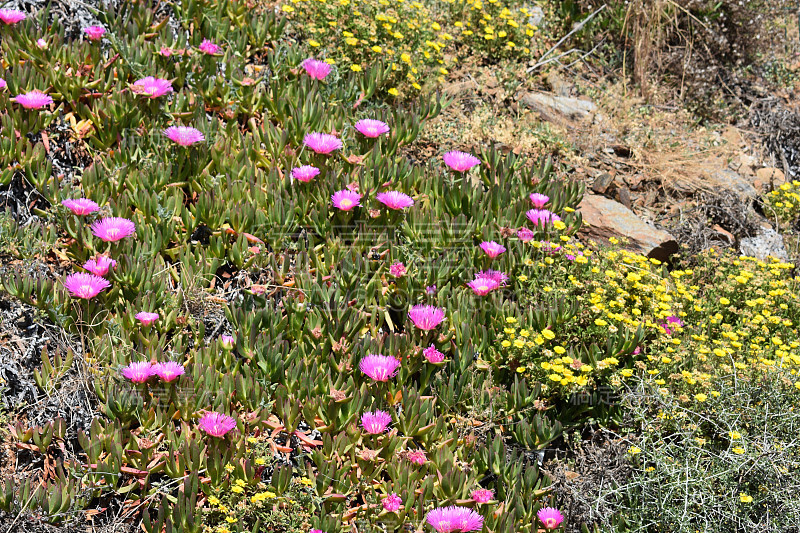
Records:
x=372, y=128
x=100, y=265
x=549, y=517
x=432, y=354
x=540, y=217
x=315, y=531
x=672, y=322
x=539, y=200
x=305, y=173
x=417, y=457
x=322, y=143
x=146, y=318
x=426, y=317
x=376, y=422
x=80, y=206
x=499, y=277
x=482, y=495
x=208, y=47
x=138, y=372
x=152, y=87
x=184, y=135
x=227, y=341
x=3, y=84
x=395, y=199
x=165, y=51
x=216, y=424
x=392, y=502
x=345, y=199
x=94, y=33
x=11, y=16
x=41, y=44
x=460, y=161
x=492, y=248
x=113, y=229
x=454, y=519
x=379, y=367
x=525, y=235
x=316, y=69
x=169, y=371
x=397, y=270
x=33, y=100
x=85, y=286
x=483, y=286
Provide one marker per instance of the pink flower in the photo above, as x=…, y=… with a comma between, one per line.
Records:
x=94, y=33
x=86, y=286
x=460, y=161
x=184, y=135
x=165, y=52
x=539, y=200
x=227, y=341
x=146, y=318
x=316, y=69
x=113, y=229
x=305, y=173
x=80, y=206
x=375, y=423
x=549, y=517
x=482, y=495
x=454, y=519
x=100, y=265
x=672, y=321
x=379, y=367
x=41, y=44
x=207, y=47
x=138, y=372
x=169, y=371
x=372, y=128
x=345, y=200
x=499, y=277
x=392, y=502
x=417, y=457
x=525, y=235
x=3, y=84
x=395, y=199
x=492, y=249
x=322, y=143
x=316, y=531
x=11, y=16
x=33, y=100
x=483, y=286
x=540, y=217
x=426, y=317
x=397, y=270
x=432, y=354
x=216, y=424
x=152, y=87
x=430, y=289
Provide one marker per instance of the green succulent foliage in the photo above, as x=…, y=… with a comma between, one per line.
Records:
x=227, y=241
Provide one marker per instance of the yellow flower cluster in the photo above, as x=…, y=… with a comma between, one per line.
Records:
x=492, y=26
x=785, y=201
x=724, y=315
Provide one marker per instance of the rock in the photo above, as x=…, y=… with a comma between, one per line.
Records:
x=552, y=107
x=607, y=218
x=767, y=243
x=767, y=178
x=536, y=15
x=728, y=180
x=602, y=182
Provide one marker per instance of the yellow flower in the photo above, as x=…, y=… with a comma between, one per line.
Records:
x=724, y=301
x=230, y=519
x=549, y=335
x=600, y=322
x=377, y=49
x=417, y=86
x=700, y=397
x=261, y=461
x=237, y=489
x=521, y=369
x=634, y=450
x=519, y=343
x=745, y=498
x=511, y=320
x=738, y=450
x=229, y=468
x=352, y=41
x=213, y=500
x=734, y=435
x=287, y=9
x=355, y=68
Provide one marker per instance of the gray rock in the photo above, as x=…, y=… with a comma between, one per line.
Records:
x=767, y=243
x=551, y=106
